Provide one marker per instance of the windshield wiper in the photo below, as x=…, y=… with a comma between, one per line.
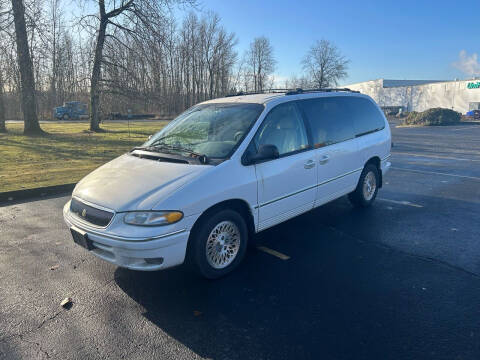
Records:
x=145, y=148
x=202, y=158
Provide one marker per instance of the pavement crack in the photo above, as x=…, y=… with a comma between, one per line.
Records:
x=45, y=352
x=31, y=330
x=55, y=315
x=48, y=319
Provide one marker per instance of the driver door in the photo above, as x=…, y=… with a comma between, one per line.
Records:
x=287, y=185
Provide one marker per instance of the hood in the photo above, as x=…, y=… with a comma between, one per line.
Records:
x=131, y=183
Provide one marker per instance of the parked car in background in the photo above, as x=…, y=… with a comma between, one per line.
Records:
x=72, y=110
x=225, y=169
x=475, y=114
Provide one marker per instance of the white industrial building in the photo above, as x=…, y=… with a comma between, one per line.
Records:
x=420, y=95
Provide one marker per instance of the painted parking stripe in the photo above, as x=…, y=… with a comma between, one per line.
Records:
x=273, y=252
x=467, y=127
x=434, y=156
x=407, y=203
x=437, y=173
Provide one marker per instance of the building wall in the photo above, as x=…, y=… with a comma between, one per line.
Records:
x=451, y=95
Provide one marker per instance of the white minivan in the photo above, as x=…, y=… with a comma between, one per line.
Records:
x=225, y=169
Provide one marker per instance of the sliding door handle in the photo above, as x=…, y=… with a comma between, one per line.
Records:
x=309, y=164
x=324, y=159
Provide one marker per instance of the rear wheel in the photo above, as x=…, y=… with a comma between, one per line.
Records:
x=367, y=187
x=65, y=117
x=219, y=244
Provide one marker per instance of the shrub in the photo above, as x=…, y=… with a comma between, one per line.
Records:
x=436, y=116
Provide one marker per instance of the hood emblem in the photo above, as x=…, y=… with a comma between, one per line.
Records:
x=84, y=212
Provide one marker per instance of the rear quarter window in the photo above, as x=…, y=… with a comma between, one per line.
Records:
x=366, y=116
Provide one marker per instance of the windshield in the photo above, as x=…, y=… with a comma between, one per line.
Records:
x=214, y=130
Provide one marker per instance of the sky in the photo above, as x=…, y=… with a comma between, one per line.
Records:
x=401, y=39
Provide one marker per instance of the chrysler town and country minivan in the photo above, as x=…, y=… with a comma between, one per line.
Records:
x=199, y=189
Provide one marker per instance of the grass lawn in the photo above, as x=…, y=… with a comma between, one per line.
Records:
x=66, y=154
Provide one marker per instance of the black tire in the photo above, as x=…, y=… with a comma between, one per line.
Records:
x=198, y=243
x=65, y=117
x=357, y=197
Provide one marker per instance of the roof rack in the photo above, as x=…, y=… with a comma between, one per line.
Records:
x=296, y=91
x=267, y=91
x=303, y=91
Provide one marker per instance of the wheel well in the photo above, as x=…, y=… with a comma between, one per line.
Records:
x=241, y=206
x=376, y=161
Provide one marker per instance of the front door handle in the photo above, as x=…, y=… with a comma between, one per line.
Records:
x=309, y=164
x=324, y=159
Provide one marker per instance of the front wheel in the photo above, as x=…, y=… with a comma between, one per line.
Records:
x=219, y=244
x=367, y=187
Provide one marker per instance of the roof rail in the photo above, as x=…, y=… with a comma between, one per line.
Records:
x=296, y=91
x=303, y=91
x=267, y=91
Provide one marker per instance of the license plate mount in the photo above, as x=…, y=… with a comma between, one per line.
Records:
x=81, y=238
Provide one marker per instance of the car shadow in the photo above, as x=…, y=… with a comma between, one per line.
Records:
x=337, y=297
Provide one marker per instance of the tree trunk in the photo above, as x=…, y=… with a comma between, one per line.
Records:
x=3, y=129
x=95, y=80
x=27, y=80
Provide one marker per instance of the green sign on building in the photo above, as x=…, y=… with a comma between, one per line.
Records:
x=473, y=85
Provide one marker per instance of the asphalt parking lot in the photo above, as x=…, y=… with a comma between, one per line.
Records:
x=398, y=281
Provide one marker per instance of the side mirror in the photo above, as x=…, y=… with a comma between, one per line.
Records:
x=265, y=152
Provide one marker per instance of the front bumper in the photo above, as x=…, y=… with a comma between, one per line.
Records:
x=137, y=253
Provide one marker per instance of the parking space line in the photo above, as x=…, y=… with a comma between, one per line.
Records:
x=467, y=127
x=273, y=252
x=407, y=203
x=434, y=156
x=437, y=173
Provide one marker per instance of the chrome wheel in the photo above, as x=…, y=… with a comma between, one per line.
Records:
x=223, y=244
x=369, y=186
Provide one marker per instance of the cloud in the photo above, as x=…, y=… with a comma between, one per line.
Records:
x=468, y=64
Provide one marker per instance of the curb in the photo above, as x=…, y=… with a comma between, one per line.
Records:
x=10, y=196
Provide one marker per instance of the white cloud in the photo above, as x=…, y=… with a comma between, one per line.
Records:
x=468, y=64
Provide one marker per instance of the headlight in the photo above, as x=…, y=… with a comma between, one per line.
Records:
x=152, y=218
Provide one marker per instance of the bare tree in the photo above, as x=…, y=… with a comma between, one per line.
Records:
x=168, y=68
x=3, y=129
x=55, y=50
x=124, y=16
x=324, y=64
x=261, y=62
x=27, y=80
x=148, y=62
x=295, y=82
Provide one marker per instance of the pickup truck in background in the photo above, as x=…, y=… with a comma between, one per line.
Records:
x=72, y=110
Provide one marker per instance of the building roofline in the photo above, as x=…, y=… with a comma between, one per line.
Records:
x=410, y=82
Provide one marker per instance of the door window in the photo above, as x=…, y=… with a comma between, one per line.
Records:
x=330, y=120
x=284, y=128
